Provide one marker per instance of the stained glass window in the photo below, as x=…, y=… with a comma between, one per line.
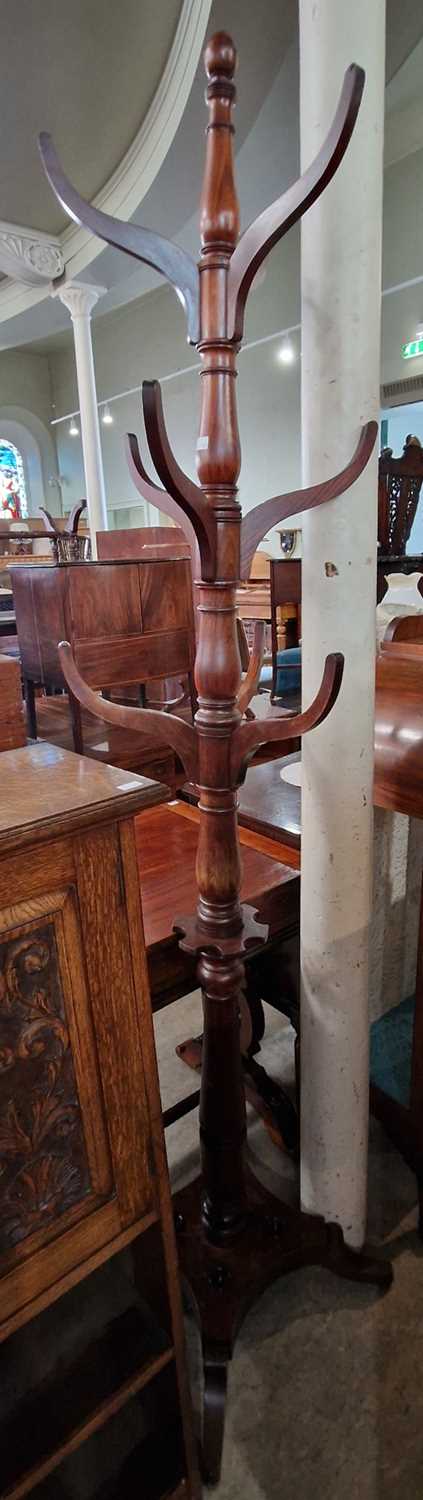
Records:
x=13, y=499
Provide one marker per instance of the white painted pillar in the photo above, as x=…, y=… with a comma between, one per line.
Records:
x=80, y=301
x=341, y=299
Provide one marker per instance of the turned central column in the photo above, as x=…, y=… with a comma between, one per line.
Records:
x=218, y=677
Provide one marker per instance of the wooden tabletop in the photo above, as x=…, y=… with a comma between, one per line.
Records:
x=269, y=805
x=44, y=790
x=167, y=840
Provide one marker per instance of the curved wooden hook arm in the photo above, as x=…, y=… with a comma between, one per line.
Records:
x=187, y=495
x=271, y=225
x=158, y=497
x=257, y=522
x=153, y=249
x=251, y=680
x=71, y=526
x=171, y=730
x=249, y=737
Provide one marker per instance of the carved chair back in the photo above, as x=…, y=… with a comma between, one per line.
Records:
x=400, y=481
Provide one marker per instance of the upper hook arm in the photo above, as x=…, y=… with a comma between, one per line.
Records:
x=257, y=522
x=269, y=227
x=175, y=264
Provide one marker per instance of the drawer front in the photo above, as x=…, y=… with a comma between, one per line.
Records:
x=55, y=1163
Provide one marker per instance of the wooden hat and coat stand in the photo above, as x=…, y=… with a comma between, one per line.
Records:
x=234, y=1237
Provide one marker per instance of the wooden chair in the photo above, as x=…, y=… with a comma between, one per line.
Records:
x=400, y=482
x=128, y=623
x=84, y=1191
x=404, y=628
x=285, y=602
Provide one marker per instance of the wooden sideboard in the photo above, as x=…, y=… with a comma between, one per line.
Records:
x=128, y=622
x=83, y=1170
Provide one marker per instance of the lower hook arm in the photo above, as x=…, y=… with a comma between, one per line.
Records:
x=170, y=729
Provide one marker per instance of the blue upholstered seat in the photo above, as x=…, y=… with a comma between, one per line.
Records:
x=391, y=1041
x=288, y=678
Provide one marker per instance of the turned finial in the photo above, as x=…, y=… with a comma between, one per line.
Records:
x=220, y=56
x=219, y=221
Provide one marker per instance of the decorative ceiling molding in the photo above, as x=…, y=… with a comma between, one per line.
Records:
x=30, y=256
x=403, y=133
x=128, y=185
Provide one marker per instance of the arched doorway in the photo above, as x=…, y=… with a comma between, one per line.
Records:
x=13, y=493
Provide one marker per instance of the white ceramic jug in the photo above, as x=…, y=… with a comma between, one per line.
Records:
x=402, y=598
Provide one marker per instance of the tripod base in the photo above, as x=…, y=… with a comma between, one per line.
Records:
x=225, y=1280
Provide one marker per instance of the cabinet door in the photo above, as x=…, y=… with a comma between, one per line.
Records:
x=54, y=1151
x=105, y=890
x=77, y=1174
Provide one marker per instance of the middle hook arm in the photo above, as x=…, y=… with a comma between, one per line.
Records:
x=250, y=736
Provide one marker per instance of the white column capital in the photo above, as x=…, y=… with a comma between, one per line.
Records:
x=79, y=298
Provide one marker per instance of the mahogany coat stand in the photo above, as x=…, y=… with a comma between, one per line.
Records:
x=234, y=1237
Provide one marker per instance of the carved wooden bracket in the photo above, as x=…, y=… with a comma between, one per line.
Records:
x=258, y=521
x=250, y=736
x=143, y=244
x=172, y=730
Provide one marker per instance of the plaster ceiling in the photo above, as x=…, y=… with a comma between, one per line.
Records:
x=404, y=123
x=266, y=139
x=85, y=71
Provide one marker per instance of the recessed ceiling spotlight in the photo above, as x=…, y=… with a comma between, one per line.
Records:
x=73, y=428
x=286, y=353
x=107, y=418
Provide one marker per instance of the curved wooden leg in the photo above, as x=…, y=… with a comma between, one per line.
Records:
x=214, y=1405
x=31, y=714
x=76, y=719
x=273, y=1104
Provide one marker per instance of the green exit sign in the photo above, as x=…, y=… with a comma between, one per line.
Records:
x=410, y=351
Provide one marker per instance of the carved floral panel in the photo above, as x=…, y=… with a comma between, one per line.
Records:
x=43, y=1163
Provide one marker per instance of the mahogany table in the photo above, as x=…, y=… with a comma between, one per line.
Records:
x=167, y=839
x=268, y=806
